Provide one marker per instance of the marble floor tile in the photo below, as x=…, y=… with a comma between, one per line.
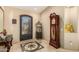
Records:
x=47, y=48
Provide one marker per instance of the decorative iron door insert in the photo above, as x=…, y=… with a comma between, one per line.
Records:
x=25, y=27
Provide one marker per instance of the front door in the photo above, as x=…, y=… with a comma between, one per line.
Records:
x=25, y=27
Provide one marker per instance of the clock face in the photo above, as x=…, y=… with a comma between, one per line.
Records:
x=53, y=21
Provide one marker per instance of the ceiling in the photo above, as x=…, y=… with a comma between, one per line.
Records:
x=37, y=9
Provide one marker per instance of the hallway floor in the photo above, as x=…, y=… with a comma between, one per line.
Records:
x=47, y=48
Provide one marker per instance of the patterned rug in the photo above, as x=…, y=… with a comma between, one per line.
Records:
x=31, y=46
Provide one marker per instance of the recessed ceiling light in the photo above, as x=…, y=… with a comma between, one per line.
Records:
x=35, y=9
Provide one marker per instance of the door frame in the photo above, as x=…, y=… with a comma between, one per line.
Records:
x=31, y=25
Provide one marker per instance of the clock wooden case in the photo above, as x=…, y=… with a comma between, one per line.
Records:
x=54, y=30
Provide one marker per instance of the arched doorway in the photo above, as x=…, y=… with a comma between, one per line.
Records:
x=25, y=27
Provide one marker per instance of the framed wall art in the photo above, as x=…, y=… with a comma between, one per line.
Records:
x=14, y=21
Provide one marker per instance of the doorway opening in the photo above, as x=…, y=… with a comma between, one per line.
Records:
x=25, y=27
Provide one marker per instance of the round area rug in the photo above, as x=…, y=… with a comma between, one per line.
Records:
x=31, y=46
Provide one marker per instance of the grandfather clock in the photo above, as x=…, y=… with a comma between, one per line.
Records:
x=54, y=30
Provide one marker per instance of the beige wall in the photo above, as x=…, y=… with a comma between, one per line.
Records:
x=13, y=13
x=1, y=19
x=46, y=22
x=78, y=20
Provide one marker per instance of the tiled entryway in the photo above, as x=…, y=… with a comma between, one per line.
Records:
x=47, y=48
